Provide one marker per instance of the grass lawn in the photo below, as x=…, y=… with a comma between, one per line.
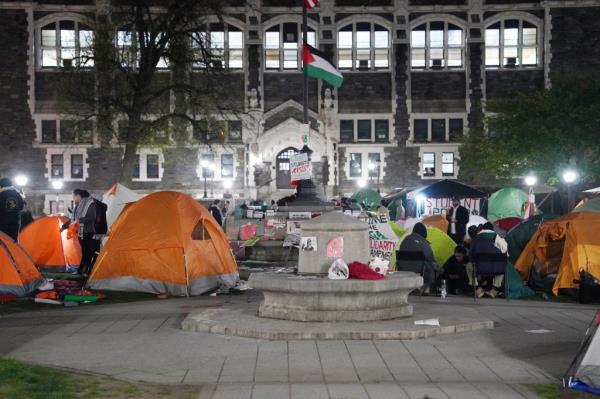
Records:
x=20, y=380
x=556, y=391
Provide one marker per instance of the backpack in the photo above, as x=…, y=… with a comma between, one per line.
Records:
x=100, y=225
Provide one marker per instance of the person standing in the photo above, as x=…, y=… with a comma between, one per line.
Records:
x=84, y=213
x=458, y=218
x=215, y=211
x=11, y=205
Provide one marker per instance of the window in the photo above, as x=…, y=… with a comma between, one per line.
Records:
x=152, y=165
x=207, y=163
x=355, y=165
x=74, y=131
x=363, y=129
x=283, y=46
x=129, y=53
x=374, y=164
x=148, y=166
x=235, y=130
x=382, y=130
x=217, y=131
x=77, y=166
x=57, y=168
x=429, y=164
x=438, y=130
x=363, y=46
x=64, y=44
x=421, y=130
x=455, y=128
x=227, y=165
x=346, y=131
x=226, y=45
x=200, y=233
x=511, y=43
x=437, y=45
x=448, y=164
x=49, y=131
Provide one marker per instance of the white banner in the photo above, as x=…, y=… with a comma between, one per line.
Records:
x=300, y=168
x=439, y=206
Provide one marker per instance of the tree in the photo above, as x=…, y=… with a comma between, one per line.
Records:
x=122, y=79
x=542, y=132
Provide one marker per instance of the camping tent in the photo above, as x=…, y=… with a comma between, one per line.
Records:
x=369, y=197
x=115, y=199
x=584, y=372
x=437, y=197
x=49, y=248
x=18, y=275
x=507, y=224
x=592, y=205
x=165, y=243
x=518, y=237
x=441, y=244
x=507, y=202
x=438, y=221
x=565, y=245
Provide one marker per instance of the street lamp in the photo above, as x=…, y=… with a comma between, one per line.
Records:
x=227, y=184
x=362, y=183
x=21, y=180
x=530, y=180
x=204, y=163
x=569, y=176
x=378, y=164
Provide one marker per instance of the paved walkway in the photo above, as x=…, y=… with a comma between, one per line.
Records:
x=142, y=341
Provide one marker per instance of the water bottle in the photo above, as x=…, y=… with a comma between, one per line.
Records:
x=444, y=290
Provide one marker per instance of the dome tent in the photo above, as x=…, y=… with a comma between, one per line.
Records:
x=369, y=197
x=505, y=203
x=116, y=198
x=49, y=248
x=165, y=243
x=18, y=275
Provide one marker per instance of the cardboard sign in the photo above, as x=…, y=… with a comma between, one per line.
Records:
x=300, y=168
x=300, y=215
x=382, y=248
x=335, y=248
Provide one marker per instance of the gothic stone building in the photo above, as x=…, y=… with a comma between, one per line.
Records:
x=417, y=76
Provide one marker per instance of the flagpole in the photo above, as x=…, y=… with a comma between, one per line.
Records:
x=305, y=40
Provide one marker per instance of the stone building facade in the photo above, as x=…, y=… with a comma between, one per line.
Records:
x=417, y=74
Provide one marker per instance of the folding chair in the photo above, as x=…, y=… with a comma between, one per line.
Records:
x=494, y=264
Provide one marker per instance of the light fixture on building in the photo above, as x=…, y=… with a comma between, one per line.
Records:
x=57, y=184
x=362, y=183
x=530, y=180
x=227, y=184
x=21, y=180
x=372, y=166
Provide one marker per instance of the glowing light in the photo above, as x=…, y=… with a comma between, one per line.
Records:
x=227, y=184
x=530, y=180
x=57, y=184
x=361, y=183
x=21, y=180
x=421, y=198
x=569, y=176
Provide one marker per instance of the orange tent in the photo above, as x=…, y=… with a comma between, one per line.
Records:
x=50, y=249
x=566, y=246
x=438, y=221
x=165, y=243
x=18, y=275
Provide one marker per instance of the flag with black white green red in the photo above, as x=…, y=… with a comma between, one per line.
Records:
x=316, y=66
x=311, y=3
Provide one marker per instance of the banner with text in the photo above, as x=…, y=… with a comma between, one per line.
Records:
x=382, y=239
x=300, y=168
x=440, y=206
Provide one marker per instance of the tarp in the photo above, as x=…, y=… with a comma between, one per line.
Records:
x=584, y=371
x=518, y=237
x=507, y=202
x=438, y=221
x=165, y=243
x=115, y=199
x=567, y=245
x=370, y=198
x=592, y=205
x=18, y=275
x=51, y=249
x=447, y=189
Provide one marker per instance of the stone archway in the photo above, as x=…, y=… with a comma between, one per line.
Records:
x=282, y=167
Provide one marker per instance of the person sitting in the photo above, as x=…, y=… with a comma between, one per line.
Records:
x=455, y=272
x=354, y=205
x=491, y=249
x=415, y=255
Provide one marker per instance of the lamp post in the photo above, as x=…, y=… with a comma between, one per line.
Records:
x=204, y=165
x=530, y=180
x=57, y=185
x=21, y=180
x=211, y=167
x=378, y=164
x=569, y=176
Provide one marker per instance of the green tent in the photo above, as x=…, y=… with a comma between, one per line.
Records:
x=592, y=205
x=505, y=203
x=516, y=288
x=441, y=244
x=518, y=237
x=370, y=198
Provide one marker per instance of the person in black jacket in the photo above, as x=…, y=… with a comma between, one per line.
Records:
x=215, y=211
x=11, y=205
x=458, y=218
x=455, y=272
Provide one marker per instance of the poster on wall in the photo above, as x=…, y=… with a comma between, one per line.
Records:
x=294, y=227
x=335, y=248
x=382, y=239
x=439, y=206
x=300, y=168
x=308, y=243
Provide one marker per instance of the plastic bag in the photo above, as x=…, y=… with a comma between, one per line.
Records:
x=338, y=270
x=380, y=266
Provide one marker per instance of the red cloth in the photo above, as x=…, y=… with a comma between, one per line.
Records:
x=363, y=272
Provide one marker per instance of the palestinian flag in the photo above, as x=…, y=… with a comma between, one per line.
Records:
x=317, y=66
x=311, y=3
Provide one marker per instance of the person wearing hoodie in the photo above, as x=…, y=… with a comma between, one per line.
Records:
x=491, y=248
x=11, y=205
x=415, y=255
x=84, y=213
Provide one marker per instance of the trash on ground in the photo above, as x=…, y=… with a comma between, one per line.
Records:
x=428, y=322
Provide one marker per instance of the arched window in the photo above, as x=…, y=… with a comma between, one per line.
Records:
x=128, y=48
x=437, y=45
x=225, y=43
x=512, y=43
x=65, y=43
x=363, y=46
x=283, y=46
